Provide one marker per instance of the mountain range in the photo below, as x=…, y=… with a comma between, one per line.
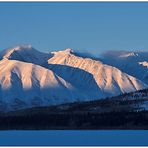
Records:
x=132, y=63
x=30, y=78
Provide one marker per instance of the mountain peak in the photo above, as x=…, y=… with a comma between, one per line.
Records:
x=20, y=47
x=68, y=50
x=7, y=53
x=130, y=54
x=24, y=53
x=63, y=52
x=145, y=63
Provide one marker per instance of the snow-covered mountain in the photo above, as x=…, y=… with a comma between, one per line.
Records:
x=132, y=63
x=25, y=53
x=26, y=85
x=31, y=78
x=110, y=80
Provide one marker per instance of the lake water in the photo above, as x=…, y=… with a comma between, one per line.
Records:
x=75, y=138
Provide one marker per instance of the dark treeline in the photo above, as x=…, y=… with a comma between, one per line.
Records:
x=111, y=113
x=112, y=120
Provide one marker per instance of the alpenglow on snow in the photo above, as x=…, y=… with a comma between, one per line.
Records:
x=30, y=78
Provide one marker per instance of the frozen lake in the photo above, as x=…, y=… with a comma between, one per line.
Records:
x=75, y=138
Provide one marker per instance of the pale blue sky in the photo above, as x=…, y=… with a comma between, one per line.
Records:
x=92, y=27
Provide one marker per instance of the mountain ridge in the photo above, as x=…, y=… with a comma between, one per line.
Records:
x=132, y=63
x=57, y=77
